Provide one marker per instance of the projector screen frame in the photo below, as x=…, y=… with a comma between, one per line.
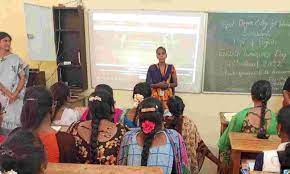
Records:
x=200, y=60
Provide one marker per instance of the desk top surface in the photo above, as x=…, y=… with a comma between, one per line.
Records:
x=250, y=143
x=60, y=168
x=259, y=172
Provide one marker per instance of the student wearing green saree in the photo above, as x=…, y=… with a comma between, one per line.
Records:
x=251, y=120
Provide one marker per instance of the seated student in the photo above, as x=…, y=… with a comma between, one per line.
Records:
x=22, y=153
x=151, y=144
x=36, y=115
x=140, y=92
x=286, y=92
x=97, y=141
x=249, y=120
x=63, y=115
x=279, y=159
x=196, y=148
x=117, y=111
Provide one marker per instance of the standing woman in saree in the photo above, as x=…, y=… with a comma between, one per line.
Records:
x=13, y=77
x=162, y=78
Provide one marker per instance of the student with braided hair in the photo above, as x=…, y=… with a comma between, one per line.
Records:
x=117, y=111
x=141, y=91
x=36, y=116
x=197, y=150
x=151, y=144
x=97, y=141
x=256, y=120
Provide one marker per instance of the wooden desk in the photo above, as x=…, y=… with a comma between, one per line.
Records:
x=243, y=142
x=62, y=168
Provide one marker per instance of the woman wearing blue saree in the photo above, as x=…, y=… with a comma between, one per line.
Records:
x=13, y=77
x=162, y=78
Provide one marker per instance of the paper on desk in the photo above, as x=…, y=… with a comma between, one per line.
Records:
x=57, y=128
x=228, y=115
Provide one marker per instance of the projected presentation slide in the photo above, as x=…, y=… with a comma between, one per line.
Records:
x=123, y=45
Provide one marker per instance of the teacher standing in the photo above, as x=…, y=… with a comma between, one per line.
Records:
x=162, y=78
x=13, y=77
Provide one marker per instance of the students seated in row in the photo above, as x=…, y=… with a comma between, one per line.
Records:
x=97, y=141
x=279, y=159
x=196, y=148
x=141, y=91
x=249, y=120
x=117, y=111
x=63, y=114
x=36, y=115
x=22, y=153
x=151, y=144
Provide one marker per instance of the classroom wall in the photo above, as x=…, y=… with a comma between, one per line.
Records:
x=12, y=20
x=202, y=108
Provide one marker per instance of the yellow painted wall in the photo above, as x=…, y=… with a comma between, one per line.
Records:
x=202, y=108
x=12, y=20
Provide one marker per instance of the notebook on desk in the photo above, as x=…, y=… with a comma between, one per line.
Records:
x=227, y=116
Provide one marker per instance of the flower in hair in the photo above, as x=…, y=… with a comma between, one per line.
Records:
x=148, y=126
x=95, y=98
x=138, y=98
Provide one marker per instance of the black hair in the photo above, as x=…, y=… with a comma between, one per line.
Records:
x=176, y=107
x=100, y=107
x=262, y=91
x=36, y=104
x=105, y=87
x=155, y=117
x=23, y=153
x=142, y=88
x=4, y=34
x=60, y=93
x=1, y=108
x=162, y=48
x=283, y=118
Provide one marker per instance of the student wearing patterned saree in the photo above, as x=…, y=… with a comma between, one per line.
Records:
x=162, y=78
x=197, y=150
x=13, y=77
x=153, y=145
x=256, y=120
x=97, y=141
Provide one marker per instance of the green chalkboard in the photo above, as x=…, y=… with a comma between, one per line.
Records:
x=244, y=47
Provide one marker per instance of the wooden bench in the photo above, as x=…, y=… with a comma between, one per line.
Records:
x=63, y=168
